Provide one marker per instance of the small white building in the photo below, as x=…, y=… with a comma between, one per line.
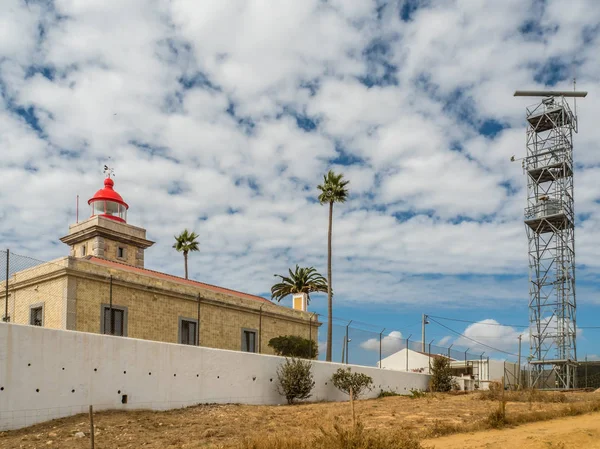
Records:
x=470, y=374
x=408, y=360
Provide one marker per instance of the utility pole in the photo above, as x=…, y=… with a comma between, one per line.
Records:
x=423, y=332
x=519, y=371
x=347, y=340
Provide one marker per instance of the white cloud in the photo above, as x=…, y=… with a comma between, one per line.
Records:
x=444, y=341
x=391, y=343
x=490, y=333
x=197, y=105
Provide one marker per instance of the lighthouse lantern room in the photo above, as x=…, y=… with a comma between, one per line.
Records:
x=108, y=203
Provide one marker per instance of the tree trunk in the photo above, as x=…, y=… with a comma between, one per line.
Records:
x=329, y=296
x=185, y=254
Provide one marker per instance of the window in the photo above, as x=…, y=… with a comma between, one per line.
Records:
x=36, y=316
x=121, y=252
x=188, y=331
x=114, y=321
x=249, y=340
x=83, y=250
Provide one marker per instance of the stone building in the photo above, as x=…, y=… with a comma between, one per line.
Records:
x=103, y=287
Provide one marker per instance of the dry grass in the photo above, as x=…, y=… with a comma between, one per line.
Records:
x=526, y=395
x=233, y=426
x=339, y=438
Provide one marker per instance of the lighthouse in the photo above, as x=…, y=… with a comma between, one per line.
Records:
x=106, y=233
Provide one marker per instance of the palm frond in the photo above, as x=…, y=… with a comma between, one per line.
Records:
x=301, y=280
x=186, y=241
x=334, y=188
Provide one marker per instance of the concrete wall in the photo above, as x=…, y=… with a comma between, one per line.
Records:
x=47, y=374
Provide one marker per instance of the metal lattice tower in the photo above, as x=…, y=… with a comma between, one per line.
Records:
x=550, y=226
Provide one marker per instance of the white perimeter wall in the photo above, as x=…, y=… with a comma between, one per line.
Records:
x=72, y=370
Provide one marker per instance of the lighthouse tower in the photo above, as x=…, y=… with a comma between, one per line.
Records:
x=106, y=233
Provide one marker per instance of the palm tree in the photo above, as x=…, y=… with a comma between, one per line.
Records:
x=184, y=243
x=333, y=190
x=301, y=280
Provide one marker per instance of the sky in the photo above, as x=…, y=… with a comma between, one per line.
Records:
x=222, y=117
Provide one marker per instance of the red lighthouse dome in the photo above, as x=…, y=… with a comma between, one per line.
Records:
x=108, y=203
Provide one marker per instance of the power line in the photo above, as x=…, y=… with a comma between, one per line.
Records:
x=471, y=339
x=475, y=322
x=498, y=324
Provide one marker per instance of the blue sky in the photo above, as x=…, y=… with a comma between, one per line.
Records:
x=222, y=116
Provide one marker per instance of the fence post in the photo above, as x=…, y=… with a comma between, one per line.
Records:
x=407, y=342
x=347, y=340
x=380, y=334
x=429, y=355
x=92, y=427
x=6, y=318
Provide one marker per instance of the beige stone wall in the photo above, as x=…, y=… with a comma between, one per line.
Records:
x=155, y=316
x=110, y=252
x=158, y=284
x=72, y=291
x=51, y=294
x=44, y=284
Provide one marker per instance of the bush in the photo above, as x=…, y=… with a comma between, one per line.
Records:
x=345, y=379
x=416, y=394
x=294, y=346
x=295, y=379
x=387, y=394
x=441, y=375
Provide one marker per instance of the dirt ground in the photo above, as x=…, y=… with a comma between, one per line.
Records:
x=224, y=426
x=564, y=433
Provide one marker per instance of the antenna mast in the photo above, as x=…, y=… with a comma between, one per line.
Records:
x=550, y=225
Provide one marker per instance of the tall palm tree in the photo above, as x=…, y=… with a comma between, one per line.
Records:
x=184, y=243
x=301, y=280
x=333, y=190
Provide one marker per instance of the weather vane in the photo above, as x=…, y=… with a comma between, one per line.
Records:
x=109, y=171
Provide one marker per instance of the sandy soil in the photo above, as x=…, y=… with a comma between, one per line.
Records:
x=573, y=432
x=223, y=426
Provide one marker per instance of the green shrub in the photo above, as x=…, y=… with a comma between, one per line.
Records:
x=416, y=394
x=441, y=375
x=387, y=394
x=295, y=379
x=345, y=380
x=294, y=346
